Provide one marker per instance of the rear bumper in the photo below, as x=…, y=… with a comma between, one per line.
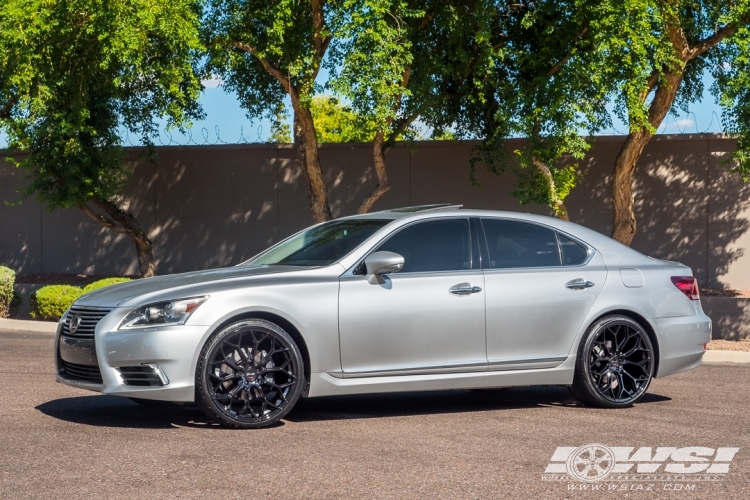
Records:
x=681, y=342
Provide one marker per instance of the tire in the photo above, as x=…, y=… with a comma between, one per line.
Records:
x=615, y=363
x=250, y=374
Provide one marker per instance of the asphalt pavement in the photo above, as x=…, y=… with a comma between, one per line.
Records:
x=61, y=442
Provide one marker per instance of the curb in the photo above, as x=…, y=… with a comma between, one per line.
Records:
x=17, y=325
x=715, y=356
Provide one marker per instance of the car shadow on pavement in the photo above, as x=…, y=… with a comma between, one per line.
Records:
x=423, y=403
x=114, y=411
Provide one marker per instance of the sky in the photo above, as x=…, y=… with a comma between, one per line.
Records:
x=227, y=123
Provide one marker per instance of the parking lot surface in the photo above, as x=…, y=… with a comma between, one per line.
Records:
x=60, y=442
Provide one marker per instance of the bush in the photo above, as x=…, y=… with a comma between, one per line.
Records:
x=51, y=302
x=15, y=304
x=7, y=279
x=102, y=283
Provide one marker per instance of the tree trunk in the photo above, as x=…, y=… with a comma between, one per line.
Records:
x=624, y=223
x=378, y=154
x=558, y=205
x=307, y=145
x=117, y=219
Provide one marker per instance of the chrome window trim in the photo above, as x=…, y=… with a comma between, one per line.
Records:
x=589, y=249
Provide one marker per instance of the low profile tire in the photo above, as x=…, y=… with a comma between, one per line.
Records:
x=615, y=363
x=249, y=375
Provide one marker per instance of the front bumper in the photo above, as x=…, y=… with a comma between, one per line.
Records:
x=172, y=351
x=681, y=342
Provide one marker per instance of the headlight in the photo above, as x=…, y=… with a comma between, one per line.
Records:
x=175, y=312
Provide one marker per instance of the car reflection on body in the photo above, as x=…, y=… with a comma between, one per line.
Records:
x=415, y=299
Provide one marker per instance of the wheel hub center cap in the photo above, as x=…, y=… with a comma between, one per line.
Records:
x=250, y=376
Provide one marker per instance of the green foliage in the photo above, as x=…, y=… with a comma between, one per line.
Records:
x=335, y=122
x=281, y=131
x=76, y=71
x=279, y=31
x=104, y=283
x=7, y=280
x=50, y=302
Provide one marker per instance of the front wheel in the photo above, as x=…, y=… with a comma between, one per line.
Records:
x=615, y=363
x=249, y=375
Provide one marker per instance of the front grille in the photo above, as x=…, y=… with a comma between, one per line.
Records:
x=85, y=373
x=140, y=375
x=90, y=317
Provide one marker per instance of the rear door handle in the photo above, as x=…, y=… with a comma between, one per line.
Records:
x=464, y=289
x=579, y=284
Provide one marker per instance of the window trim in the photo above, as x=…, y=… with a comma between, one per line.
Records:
x=350, y=272
x=589, y=250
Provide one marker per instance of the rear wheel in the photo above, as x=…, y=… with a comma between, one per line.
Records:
x=615, y=363
x=250, y=374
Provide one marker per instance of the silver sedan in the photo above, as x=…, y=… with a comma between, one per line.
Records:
x=414, y=299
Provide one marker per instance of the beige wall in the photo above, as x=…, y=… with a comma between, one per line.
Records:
x=208, y=206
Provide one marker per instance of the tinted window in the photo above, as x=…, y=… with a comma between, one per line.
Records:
x=519, y=244
x=321, y=245
x=572, y=252
x=442, y=245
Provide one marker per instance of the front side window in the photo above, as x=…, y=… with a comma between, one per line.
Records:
x=432, y=246
x=321, y=245
x=513, y=244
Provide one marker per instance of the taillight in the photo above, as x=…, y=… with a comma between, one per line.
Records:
x=687, y=285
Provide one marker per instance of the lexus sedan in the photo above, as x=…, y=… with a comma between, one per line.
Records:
x=413, y=299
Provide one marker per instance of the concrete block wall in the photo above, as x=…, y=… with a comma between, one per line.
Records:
x=211, y=206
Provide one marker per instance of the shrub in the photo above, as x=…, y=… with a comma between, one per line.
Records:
x=7, y=279
x=51, y=302
x=102, y=283
x=15, y=304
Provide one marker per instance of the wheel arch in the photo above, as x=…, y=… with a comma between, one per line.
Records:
x=279, y=320
x=645, y=324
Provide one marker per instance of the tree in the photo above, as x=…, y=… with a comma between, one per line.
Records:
x=404, y=61
x=677, y=41
x=336, y=122
x=73, y=72
x=266, y=50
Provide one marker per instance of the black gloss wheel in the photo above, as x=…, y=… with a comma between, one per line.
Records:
x=250, y=374
x=615, y=363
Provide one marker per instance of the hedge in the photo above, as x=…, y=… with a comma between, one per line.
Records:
x=7, y=279
x=51, y=302
x=102, y=283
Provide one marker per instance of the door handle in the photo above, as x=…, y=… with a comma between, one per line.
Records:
x=579, y=284
x=464, y=289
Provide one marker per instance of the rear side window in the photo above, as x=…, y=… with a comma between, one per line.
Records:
x=513, y=244
x=441, y=245
x=573, y=253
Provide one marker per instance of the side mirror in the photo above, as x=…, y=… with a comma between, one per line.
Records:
x=380, y=263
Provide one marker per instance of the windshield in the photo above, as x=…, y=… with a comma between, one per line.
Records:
x=321, y=245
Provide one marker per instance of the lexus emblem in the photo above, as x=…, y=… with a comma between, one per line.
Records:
x=75, y=322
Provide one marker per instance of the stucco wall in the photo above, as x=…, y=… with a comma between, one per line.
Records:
x=209, y=206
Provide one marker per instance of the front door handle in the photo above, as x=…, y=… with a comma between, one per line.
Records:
x=464, y=289
x=579, y=284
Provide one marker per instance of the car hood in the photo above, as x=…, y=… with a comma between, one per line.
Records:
x=173, y=286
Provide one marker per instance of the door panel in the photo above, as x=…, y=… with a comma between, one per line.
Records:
x=428, y=317
x=412, y=322
x=532, y=314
